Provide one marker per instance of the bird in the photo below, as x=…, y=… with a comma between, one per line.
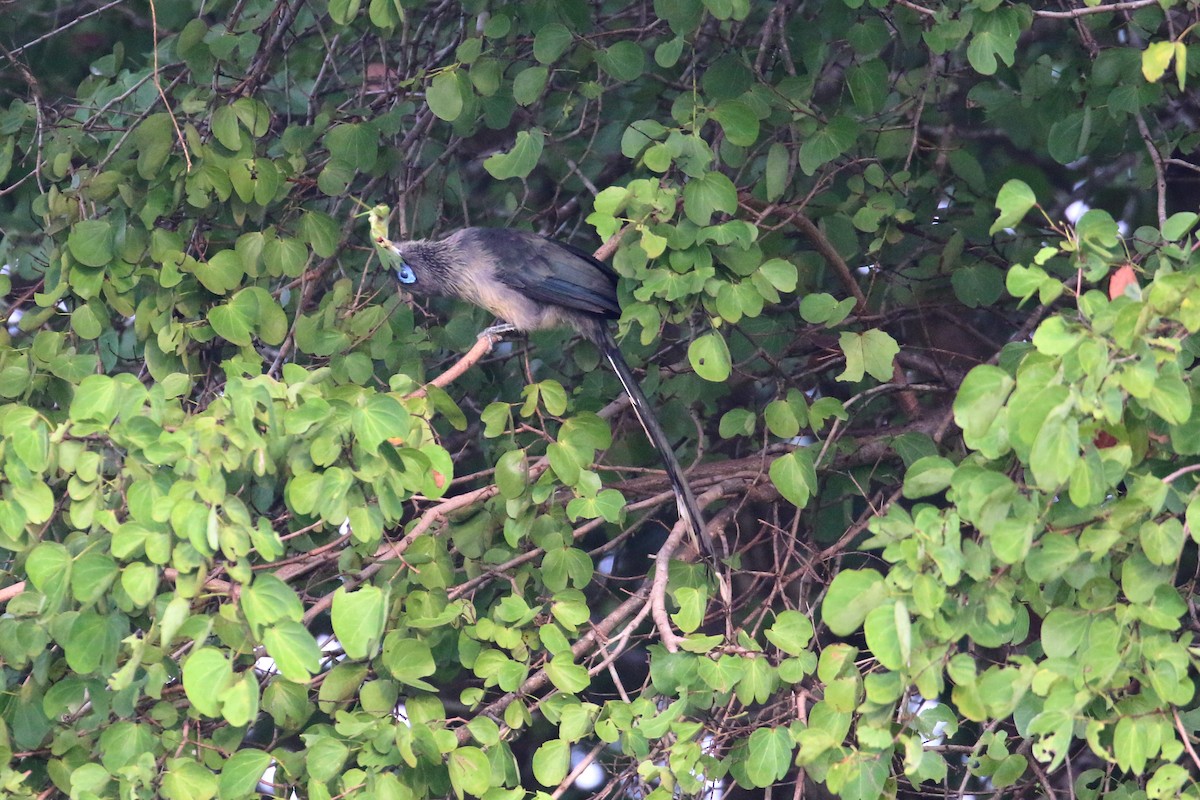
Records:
x=531, y=283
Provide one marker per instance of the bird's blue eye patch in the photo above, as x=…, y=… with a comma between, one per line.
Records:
x=404, y=274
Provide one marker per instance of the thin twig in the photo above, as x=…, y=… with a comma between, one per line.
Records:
x=158, y=85
x=1160, y=178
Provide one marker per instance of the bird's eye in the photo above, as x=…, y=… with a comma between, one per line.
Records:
x=405, y=275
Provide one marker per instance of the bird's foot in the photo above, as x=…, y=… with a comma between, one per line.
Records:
x=497, y=331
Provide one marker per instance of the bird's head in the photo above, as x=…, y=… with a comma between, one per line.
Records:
x=421, y=267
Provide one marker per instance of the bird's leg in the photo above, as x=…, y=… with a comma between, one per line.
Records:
x=497, y=331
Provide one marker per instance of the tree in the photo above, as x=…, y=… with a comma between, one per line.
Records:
x=912, y=286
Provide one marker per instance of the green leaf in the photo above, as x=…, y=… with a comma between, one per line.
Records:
x=980, y=401
x=154, y=139
x=852, y=595
x=294, y=649
x=625, y=60
x=91, y=242
x=528, y=85
x=769, y=756
x=206, y=674
x=380, y=418
x=709, y=356
x=795, y=476
x=828, y=143
x=242, y=772
x=824, y=309
x=91, y=576
x=408, y=660
x=638, y=135
x=1178, y=224
x=566, y=462
x=139, y=581
x=707, y=194
x=321, y=232
x=1170, y=398
x=521, y=160
x=184, y=779
x=667, y=53
x=781, y=419
x=994, y=35
x=95, y=400
x=233, y=322
x=682, y=15
x=776, y=171
x=239, y=703
x=758, y=682
x=222, y=272
x=470, y=771
x=791, y=632
x=1098, y=230
x=445, y=96
x=1162, y=542
x=889, y=635
x=92, y=642
x=928, y=475
x=1069, y=136
x=781, y=274
x=738, y=121
x=325, y=758
x=269, y=600
x=551, y=762
x=358, y=618
x=1056, y=448
x=47, y=566
x=36, y=500
x=737, y=422
x=85, y=323
x=566, y=675
x=692, y=605
x=356, y=144
x=1014, y=201
x=225, y=128
x=343, y=12
x=873, y=351
x=550, y=42
x=1155, y=60
x=868, y=83
x=978, y=285
x=512, y=474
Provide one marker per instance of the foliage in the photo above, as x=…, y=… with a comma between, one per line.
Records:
x=241, y=533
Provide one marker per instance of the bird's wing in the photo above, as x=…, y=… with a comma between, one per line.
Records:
x=552, y=272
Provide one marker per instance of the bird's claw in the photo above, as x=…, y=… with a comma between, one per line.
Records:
x=497, y=331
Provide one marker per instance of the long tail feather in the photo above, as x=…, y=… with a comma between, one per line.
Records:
x=689, y=509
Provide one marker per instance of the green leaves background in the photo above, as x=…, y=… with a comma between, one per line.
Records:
x=954, y=462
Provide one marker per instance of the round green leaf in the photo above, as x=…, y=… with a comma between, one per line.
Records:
x=48, y=565
x=206, y=674
x=242, y=772
x=184, y=779
x=520, y=161
x=358, y=618
x=550, y=42
x=852, y=595
x=470, y=771
x=709, y=356
x=795, y=476
x=551, y=762
x=444, y=96
x=91, y=242
x=625, y=60
x=294, y=649
x=1014, y=201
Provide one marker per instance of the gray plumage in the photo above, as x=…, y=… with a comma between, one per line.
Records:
x=532, y=283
